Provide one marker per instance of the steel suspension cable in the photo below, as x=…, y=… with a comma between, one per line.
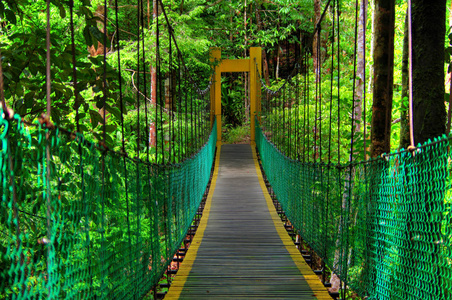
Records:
x=181, y=121
x=122, y=118
x=316, y=71
x=319, y=66
x=47, y=123
x=332, y=84
x=410, y=76
x=338, y=84
x=297, y=124
x=350, y=171
x=364, y=79
x=308, y=104
x=170, y=98
x=145, y=85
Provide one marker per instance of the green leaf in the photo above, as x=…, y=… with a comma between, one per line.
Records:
x=62, y=11
x=83, y=128
x=96, y=33
x=87, y=36
x=96, y=118
x=2, y=9
x=110, y=128
x=10, y=16
x=29, y=99
x=129, y=100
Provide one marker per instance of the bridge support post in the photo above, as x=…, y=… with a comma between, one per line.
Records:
x=236, y=65
x=215, y=92
x=255, y=88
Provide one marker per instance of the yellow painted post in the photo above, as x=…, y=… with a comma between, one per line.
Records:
x=255, y=59
x=215, y=94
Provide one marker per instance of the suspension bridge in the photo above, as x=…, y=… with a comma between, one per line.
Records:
x=86, y=217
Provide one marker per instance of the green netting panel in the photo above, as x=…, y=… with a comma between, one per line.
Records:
x=78, y=223
x=384, y=226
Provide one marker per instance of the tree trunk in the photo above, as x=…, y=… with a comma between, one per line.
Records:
x=264, y=52
x=428, y=32
x=429, y=120
x=383, y=58
x=404, y=117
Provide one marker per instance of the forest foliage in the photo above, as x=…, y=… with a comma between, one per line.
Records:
x=283, y=28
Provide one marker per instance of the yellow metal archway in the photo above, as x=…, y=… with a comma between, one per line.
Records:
x=236, y=65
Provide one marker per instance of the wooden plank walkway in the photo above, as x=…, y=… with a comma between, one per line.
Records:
x=241, y=249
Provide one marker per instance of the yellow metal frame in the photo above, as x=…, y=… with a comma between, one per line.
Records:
x=236, y=65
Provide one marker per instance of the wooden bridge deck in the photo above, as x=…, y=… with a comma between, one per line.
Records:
x=241, y=249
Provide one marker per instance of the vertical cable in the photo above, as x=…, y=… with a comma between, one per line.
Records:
x=138, y=163
x=410, y=76
x=48, y=74
x=284, y=141
x=170, y=97
x=326, y=219
x=197, y=113
x=145, y=84
x=318, y=131
x=79, y=141
x=319, y=66
x=288, y=101
x=364, y=79
x=308, y=94
x=157, y=85
x=193, y=125
x=150, y=204
x=352, y=131
x=138, y=79
x=338, y=83
x=180, y=128
x=297, y=124
x=316, y=71
x=2, y=92
x=351, y=168
x=50, y=247
x=186, y=94
x=332, y=84
x=74, y=68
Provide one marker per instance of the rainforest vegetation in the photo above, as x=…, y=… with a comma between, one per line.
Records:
x=335, y=75
x=284, y=29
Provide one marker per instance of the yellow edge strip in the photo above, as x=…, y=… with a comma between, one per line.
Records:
x=315, y=284
x=179, y=281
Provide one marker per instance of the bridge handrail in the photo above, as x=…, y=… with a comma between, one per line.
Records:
x=85, y=240
x=383, y=226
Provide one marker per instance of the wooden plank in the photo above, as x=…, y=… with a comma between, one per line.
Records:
x=244, y=252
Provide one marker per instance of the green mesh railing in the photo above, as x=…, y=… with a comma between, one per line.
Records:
x=80, y=223
x=383, y=226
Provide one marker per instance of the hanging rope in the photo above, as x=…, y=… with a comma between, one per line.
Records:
x=332, y=82
x=364, y=80
x=338, y=10
x=5, y=110
x=410, y=75
x=48, y=75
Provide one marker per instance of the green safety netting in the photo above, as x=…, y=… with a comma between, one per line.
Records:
x=79, y=223
x=384, y=226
